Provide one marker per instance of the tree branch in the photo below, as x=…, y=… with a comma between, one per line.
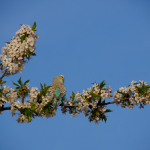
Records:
x=23, y=98
x=100, y=104
x=3, y=74
x=4, y=108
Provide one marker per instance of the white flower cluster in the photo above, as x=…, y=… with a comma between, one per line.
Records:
x=88, y=102
x=133, y=95
x=12, y=53
x=10, y=96
x=86, y=99
x=22, y=119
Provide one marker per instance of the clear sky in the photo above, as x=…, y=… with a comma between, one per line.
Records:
x=86, y=41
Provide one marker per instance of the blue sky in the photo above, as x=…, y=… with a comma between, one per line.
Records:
x=86, y=41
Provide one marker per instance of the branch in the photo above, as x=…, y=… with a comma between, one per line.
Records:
x=4, y=108
x=3, y=74
x=23, y=98
x=125, y=99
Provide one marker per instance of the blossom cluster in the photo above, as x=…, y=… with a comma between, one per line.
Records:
x=89, y=102
x=15, y=51
x=32, y=104
x=136, y=93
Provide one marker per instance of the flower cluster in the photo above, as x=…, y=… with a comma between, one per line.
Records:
x=15, y=51
x=90, y=102
x=32, y=107
x=134, y=94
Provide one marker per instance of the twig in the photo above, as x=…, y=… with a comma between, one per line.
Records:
x=125, y=99
x=3, y=74
x=23, y=98
x=4, y=108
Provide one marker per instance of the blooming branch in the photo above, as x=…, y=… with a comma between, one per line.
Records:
x=31, y=102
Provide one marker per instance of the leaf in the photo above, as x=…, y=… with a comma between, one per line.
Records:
x=20, y=82
x=108, y=110
x=29, y=117
x=45, y=111
x=21, y=24
x=93, y=83
x=23, y=37
x=102, y=84
x=73, y=95
x=41, y=86
x=48, y=87
x=15, y=84
x=26, y=82
x=95, y=95
x=33, y=54
x=8, y=42
x=105, y=119
x=3, y=82
x=34, y=26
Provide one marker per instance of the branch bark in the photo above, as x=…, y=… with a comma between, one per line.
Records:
x=125, y=99
x=3, y=74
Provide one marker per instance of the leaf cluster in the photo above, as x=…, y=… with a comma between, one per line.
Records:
x=21, y=87
x=43, y=91
x=29, y=112
x=143, y=89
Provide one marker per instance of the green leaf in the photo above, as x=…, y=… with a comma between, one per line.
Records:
x=95, y=95
x=8, y=42
x=26, y=82
x=3, y=82
x=33, y=54
x=48, y=87
x=23, y=37
x=108, y=110
x=41, y=86
x=34, y=26
x=15, y=84
x=29, y=118
x=105, y=119
x=45, y=111
x=21, y=24
x=73, y=95
x=20, y=82
x=102, y=84
x=93, y=83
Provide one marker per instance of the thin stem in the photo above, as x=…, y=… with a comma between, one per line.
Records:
x=23, y=98
x=3, y=74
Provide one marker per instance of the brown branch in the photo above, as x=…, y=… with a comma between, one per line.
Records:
x=99, y=103
x=4, y=108
x=3, y=74
x=23, y=98
x=125, y=99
